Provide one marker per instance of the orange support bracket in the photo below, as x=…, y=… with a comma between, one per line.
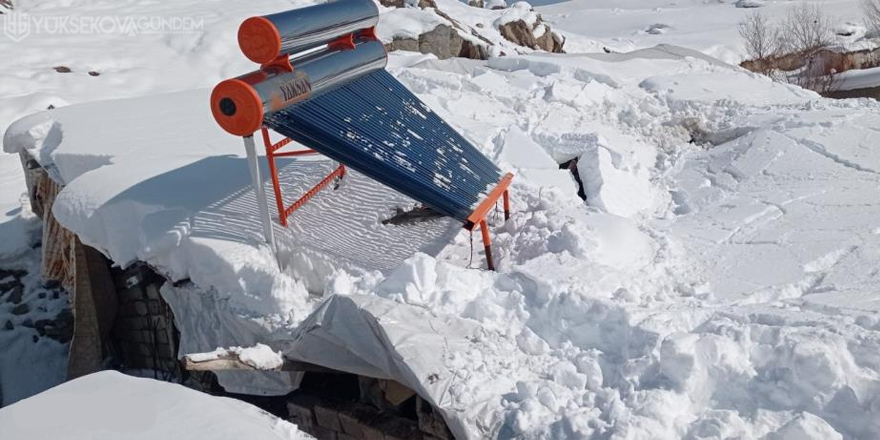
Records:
x=478, y=217
x=271, y=154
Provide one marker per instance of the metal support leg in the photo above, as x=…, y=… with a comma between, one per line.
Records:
x=260, y=192
x=506, y=205
x=487, y=244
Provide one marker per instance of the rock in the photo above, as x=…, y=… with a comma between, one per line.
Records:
x=403, y=3
x=473, y=51
x=550, y=42
x=442, y=41
x=40, y=326
x=59, y=329
x=52, y=284
x=93, y=73
x=18, y=274
x=21, y=309
x=748, y=4
x=62, y=69
x=17, y=293
x=407, y=44
x=476, y=3
x=35, y=338
x=518, y=32
x=41, y=295
x=8, y=325
x=8, y=285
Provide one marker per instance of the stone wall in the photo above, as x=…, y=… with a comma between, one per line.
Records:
x=825, y=61
x=329, y=407
x=143, y=335
x=117, y=314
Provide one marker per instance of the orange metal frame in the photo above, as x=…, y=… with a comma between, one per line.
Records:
x=271, y=153
x=478, y=217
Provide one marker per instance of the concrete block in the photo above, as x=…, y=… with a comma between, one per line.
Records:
x=137, y=323
x=140, y=308
x=394, y=392
x=152, y=291
x=394, y=428
x=301, y=417
x=430, y=420
x=145, y=350
x=301, y=409
x=144, y=362
x=372, y=433
x=131, y=295
x=165, y=351
x=153, y=307
x=321, y=433
x=327, y=417
x=350, y=424
x=158, y=322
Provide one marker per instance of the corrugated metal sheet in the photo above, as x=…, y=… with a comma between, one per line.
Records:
x=376, y=126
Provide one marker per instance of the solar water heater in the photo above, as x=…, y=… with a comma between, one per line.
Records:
x=322, y=83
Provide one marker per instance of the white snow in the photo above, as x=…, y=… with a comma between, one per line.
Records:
x=719, y=281
x=109, y=405
x=407, y=23
x=260, y=356
x=858, y=79
x=18, y=224
x=707, y=26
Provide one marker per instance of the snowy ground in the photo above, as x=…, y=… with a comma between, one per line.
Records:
x=109, y=405
x=30, y=361
x=707, y=26
x=718, y=282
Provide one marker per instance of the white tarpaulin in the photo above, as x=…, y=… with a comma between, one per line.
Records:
x=379, y=338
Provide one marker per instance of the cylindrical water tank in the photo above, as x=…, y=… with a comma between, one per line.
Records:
x=265, y=38
x=239, y=104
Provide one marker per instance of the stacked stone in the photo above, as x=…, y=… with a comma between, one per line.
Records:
x=374, y=417
x=144, y=331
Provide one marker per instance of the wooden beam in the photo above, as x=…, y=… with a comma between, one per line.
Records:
x=231, y=362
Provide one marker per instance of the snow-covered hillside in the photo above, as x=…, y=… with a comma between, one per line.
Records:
x=707, y=26
x=719, y=280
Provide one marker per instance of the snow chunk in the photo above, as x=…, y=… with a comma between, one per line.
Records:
x=806, y=426
x=518, y=11
x=611, y=185
x=259, y=356
x=407, y=23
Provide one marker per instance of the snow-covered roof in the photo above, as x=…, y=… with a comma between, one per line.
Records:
x=109, y=406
